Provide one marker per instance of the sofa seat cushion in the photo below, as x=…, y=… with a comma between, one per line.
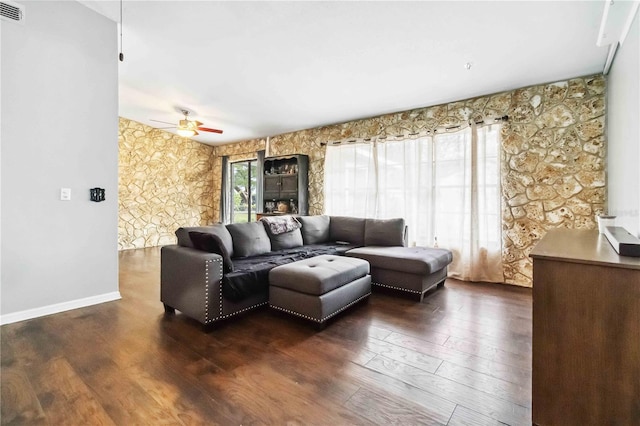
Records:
x=414, y=260
x=329, y=248
x=319, y=274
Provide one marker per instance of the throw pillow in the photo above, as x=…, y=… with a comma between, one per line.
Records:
x=219, y=229
x=212, y=243
x=249, y=239
x=284, y=240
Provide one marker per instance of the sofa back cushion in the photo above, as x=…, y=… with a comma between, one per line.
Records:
x=249, y=239
x=219, y=229
x=315, y=229
x=348, y=229
x=384, y=232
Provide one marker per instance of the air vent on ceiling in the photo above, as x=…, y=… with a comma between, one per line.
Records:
x=10, y=11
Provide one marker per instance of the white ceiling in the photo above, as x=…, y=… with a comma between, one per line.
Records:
x=258, y=69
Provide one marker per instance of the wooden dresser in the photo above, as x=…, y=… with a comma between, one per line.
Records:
x=586, y=331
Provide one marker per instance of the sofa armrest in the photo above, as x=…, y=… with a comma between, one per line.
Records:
x=190, y=281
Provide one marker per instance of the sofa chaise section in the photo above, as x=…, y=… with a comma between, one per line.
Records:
x=411, y=269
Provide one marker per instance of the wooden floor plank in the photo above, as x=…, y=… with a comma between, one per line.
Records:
x=483, y=382
x=457, y=393
x=516, y=375
x=433, y=406
x=62, y=391
x=19, y=404
x=461, y=356
x=383, y=410
x=404, y=355
x=520, y=360
x=345, y=364
x=464, y=417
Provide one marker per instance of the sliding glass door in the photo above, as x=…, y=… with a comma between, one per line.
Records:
x=243, y=191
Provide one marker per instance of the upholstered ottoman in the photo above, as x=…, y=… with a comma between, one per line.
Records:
x=320, y=287
x=411, y=269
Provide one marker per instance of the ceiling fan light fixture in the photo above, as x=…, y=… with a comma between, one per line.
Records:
x=187, y=132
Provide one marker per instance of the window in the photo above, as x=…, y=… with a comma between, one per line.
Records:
x=243, y=191
x=446, y=187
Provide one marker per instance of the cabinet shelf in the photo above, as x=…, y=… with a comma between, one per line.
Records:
x=285, y=185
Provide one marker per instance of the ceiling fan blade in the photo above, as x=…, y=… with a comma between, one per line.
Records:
x=207, y=129
x=198, y=123
x=158, y=121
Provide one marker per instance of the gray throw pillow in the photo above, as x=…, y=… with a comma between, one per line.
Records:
x=218, y=229
x=284, y=240
x=347, y=229
x=249, y=239
x=315, y=229
x=384, y=232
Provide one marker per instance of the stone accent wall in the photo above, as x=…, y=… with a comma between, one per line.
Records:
x=164, y=181
x=553, y=156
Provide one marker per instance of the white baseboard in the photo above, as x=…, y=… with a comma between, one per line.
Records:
x=58, y=307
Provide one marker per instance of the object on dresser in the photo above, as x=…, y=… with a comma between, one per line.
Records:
x=604, y=221
x=622, y=241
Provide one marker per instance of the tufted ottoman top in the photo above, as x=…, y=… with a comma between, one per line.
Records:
x=318, y=275
x=414, y=260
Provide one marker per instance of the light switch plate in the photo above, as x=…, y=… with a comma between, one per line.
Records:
x=65, y=194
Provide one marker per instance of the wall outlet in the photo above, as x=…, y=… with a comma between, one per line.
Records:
x=65, y=194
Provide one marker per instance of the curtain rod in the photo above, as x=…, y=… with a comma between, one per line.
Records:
x=503, y=118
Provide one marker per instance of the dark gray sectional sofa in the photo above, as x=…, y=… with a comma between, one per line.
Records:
x=228, y=272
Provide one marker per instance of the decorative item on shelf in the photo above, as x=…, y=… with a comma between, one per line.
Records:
x=283, y=207
x=270, y=205
x=294, y=208
x=97, y=194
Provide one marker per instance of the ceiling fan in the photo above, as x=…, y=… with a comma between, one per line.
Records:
x=188, y=127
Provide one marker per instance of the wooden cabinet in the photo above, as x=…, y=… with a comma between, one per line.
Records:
x=286, y=185
x=586, y=331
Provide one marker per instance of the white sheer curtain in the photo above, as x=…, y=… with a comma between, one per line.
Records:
x=446, y=188
x=350, y=173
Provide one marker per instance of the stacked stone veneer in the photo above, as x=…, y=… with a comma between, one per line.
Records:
x=164, y=182
x=553, y=157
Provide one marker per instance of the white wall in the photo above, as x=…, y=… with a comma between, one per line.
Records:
x=59, y=129
x=623, y=133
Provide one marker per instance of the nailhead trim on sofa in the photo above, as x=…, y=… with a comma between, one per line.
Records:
x=325, y=318
x=220, y=316
x=397, y=288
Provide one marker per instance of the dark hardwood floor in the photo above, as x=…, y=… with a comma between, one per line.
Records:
x=461, y=357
